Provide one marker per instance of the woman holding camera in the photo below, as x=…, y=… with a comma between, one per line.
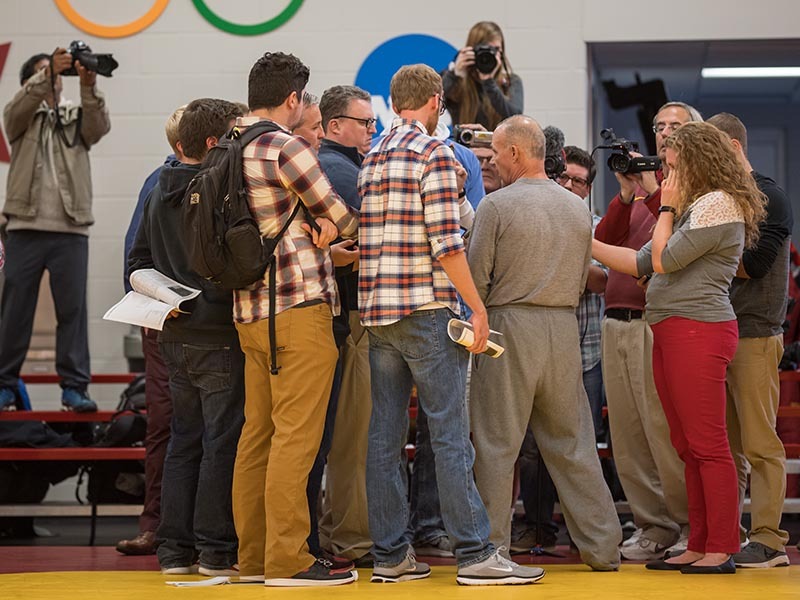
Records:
x=710, y=210
x=479, y=86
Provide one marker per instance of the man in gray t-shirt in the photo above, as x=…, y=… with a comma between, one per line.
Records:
x=529, y=256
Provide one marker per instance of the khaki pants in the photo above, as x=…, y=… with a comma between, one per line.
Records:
x=284, y=417
x=753, y=398
x=344, y=526
x=649, y=468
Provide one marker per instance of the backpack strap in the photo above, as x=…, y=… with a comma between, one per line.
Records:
x=273, y=268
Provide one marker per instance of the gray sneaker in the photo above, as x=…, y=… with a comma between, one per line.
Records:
x=440, y=547
x=498, y=570
x=408, y=570
x=758, y=556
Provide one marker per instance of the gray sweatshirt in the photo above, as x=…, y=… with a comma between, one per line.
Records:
x=531, y=245
x=700, y=261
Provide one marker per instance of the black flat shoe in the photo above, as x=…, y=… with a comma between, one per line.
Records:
x=663, y=565
x=726, y=568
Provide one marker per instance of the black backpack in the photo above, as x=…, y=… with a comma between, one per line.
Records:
x=221, y=237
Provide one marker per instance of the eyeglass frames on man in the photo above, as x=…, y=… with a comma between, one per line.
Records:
x=579, y=181
x=365, y=122
x=661, y=127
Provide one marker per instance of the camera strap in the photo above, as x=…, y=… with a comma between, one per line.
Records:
x=59, y=126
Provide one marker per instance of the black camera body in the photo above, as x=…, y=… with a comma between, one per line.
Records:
x=485, y=58
x=470, y=137
x=102, y=64
x=621, y=160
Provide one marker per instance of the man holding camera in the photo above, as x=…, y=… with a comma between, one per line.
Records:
x=650, y=471
x=49, y=211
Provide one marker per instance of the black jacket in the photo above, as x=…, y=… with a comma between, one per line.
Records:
x=159, y=245
x=341, y=165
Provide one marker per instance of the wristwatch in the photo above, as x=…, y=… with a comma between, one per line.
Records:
x=663, y=209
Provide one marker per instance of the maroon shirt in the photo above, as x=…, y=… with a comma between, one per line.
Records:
x=630, y=226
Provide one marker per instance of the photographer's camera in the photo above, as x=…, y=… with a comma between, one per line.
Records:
x=485, y=58
x=471, y=137
x=621, y=161
x=102, y=64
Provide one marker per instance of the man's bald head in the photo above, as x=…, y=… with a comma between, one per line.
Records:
x=524, y=133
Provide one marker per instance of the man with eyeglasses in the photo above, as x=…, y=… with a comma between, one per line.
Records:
x=649, y=469
x=349, y=123
x=412, y=269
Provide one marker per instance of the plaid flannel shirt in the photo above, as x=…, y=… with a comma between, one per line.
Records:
x=590, y=315
x=409, y=219
x=279, y=171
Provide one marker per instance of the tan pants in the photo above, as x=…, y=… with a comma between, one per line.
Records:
x=753, y=398
x=284, y=417
x=344, y=526
x=648, y=466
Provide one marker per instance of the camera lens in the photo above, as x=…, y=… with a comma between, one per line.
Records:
x=619, y=163
x=485, y=59
x=466, y=136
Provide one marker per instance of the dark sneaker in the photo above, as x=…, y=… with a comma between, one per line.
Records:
x=758, y=556
x=142, y=545
x=440, y=547
x=498, y=570
x=317, y=575
x=335, y=563
x=8, y=399
x=77, y=400
x=408, y=570
x=523, y=541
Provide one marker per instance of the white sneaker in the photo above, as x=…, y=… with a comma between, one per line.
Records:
x=232, y=571
x=634, y=539
x=183, y=570
x=407, y=570
x=643, y=549
x=681, y=545
x=498, y=570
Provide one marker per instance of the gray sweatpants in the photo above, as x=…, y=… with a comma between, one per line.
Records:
x=538, y=382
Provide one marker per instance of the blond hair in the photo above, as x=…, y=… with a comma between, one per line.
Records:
x=171, y=127
x=413, y=85
x=705, y=161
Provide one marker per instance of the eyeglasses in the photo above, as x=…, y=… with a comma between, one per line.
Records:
x=661, y=127
x=365, y=122
x=442, y=105
x=576, y=181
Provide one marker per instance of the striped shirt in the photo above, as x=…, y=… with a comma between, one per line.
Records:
x=279, y=171
x=409, y=219
x=590, y=315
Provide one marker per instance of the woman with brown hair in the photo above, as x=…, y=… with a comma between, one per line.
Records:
x=710, y=210
x=479, y=86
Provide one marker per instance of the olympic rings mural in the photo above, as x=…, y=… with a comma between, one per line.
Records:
x=158, y=6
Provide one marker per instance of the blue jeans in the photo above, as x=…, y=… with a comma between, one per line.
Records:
x=207, y=386
x=593, y=384
x=426, y=512
x=315, y=476
x=416, y=349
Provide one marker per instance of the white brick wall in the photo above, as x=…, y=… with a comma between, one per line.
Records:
x=182, y=57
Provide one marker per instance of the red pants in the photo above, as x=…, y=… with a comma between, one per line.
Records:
x=690, y=359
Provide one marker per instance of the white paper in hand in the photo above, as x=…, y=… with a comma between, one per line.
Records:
x=461, y=333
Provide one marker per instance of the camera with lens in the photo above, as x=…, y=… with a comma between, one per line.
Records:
x=485, y=58
x=621, y=160
x=471, y=137
x=102, y=64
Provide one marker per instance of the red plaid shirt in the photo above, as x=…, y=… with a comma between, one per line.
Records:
x=409, y=218
x=279, y=171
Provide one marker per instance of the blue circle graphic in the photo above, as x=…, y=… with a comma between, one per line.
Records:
x=377, y=70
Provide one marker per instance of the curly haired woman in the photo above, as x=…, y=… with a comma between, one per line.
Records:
x=710, y=211
x=483, y=98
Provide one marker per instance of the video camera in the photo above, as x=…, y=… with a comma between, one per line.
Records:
x=485, y=58
x=103, y=64
x=621, y=161
x=471, y=137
